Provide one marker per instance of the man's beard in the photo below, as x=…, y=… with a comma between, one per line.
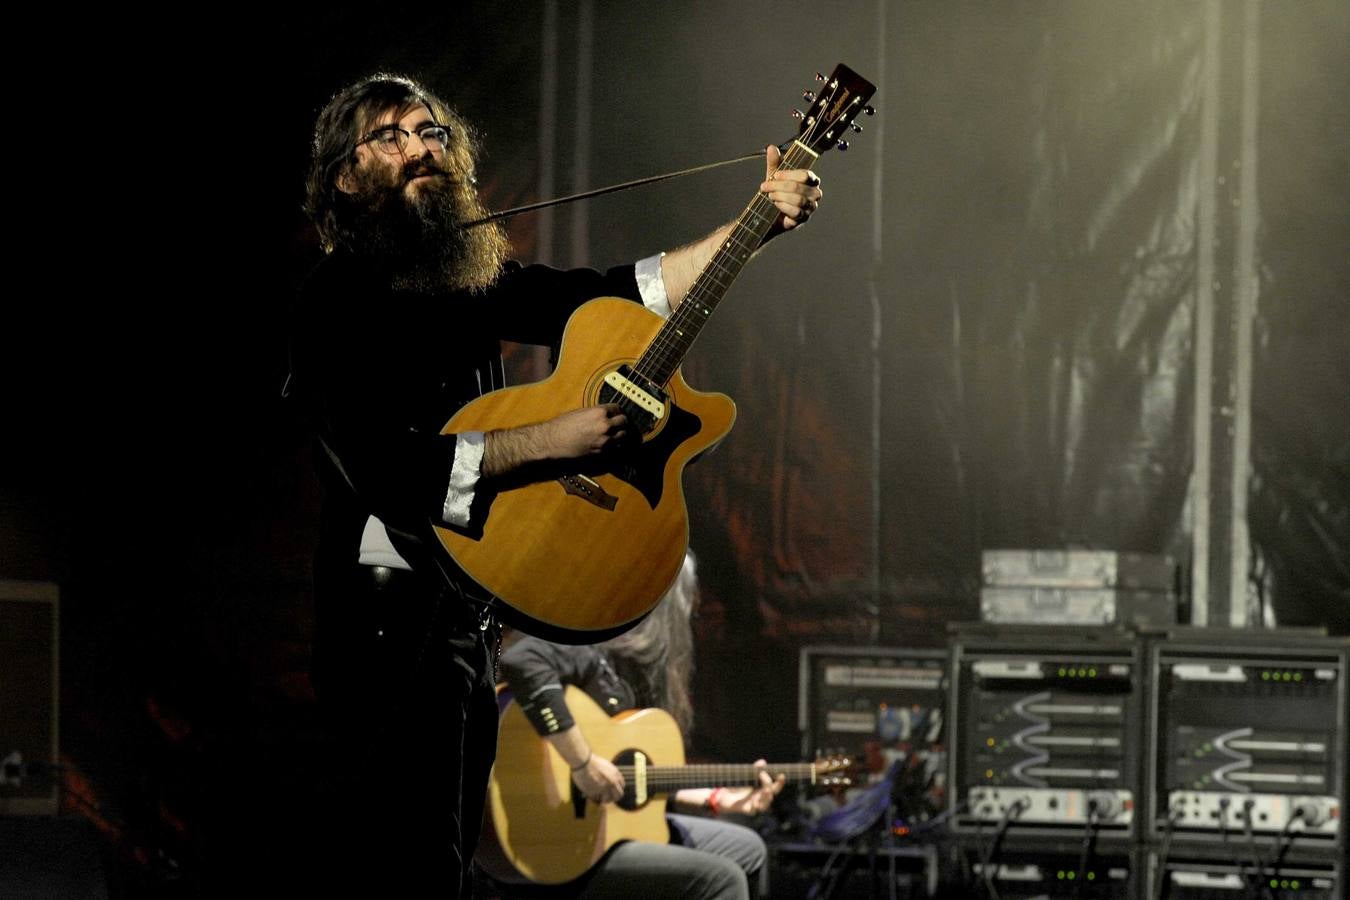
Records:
x=418, y=239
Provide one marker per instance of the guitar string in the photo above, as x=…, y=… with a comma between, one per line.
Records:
x=664, y=778
x=671, y=335
x=661, y=358
x=677, y=336
x=670, y=338
x=662, y=344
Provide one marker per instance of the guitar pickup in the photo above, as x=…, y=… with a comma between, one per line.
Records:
x=639, y=391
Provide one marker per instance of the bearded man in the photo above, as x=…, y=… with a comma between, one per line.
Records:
x=397, y=328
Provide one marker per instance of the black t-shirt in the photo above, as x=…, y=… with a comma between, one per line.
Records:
x=537, y=671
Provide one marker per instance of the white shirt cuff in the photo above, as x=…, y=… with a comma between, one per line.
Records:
x=464, y=474
x=651, y=287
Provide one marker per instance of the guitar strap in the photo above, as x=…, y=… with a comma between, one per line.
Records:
x=337, y=463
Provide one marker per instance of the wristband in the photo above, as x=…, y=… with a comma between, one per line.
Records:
x=712, y=800
x=584, y=763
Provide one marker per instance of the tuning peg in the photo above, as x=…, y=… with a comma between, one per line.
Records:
x=819, y=77
x=797, y=114
x=843, y=145
x=870, y=110
x=809, y=96
x=857, y=129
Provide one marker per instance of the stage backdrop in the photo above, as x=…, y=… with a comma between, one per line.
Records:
x=986, y=338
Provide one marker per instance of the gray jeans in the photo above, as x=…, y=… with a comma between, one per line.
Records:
x=713, y=861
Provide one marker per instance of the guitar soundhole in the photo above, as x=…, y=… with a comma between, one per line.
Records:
x=597, y=391
x=625, y=762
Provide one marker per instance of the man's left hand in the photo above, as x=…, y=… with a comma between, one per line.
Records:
x=751, y=801
x=796, y=192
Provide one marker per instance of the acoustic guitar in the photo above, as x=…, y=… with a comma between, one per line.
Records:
x=544, y=830
x=580, y=552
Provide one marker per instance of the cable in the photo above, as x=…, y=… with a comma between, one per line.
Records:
x=1089, y=832
x=929, y=824
x=1172, y=820
x=507, y=213
x=1224, y=803
x=813, y=892
x=979, y=849
x=1286, y=839
x=1258, y=870
x=986, y=863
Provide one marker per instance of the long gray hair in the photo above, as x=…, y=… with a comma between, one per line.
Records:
x=657, y=657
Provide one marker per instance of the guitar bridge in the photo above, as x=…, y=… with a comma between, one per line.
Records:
x=590, y=490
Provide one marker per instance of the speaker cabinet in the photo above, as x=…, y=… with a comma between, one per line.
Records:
x=29, y=696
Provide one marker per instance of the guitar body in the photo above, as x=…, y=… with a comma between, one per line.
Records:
x=539, y=835
x=575, y=569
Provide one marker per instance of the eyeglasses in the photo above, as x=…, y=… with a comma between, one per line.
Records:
x=394, y=140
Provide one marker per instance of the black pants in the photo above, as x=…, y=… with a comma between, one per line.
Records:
x=405, y=672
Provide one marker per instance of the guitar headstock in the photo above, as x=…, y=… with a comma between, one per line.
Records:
x=835, y=771
x=840, y=99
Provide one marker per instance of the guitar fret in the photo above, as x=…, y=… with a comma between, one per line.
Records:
x=704, y=295
x=665, y=778
x=674, y=340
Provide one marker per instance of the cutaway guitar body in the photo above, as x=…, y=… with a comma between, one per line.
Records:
x=542, y=829
x=584, y=549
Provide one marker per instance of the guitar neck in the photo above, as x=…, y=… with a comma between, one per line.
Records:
x=670, y=346
x=669, y=779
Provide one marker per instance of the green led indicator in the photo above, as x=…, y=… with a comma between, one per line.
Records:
x=1072, y=875
x=1092, y=672
x=1288, y=677
x=1061, y=671
x=1060, y=875
x=1294, y=884
x=1092, y=876
x=1284, y=883
x=1265, y=676
x=1298, y=676
x=1082, y=673
x=1274, y=883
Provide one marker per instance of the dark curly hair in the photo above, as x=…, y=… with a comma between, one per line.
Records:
x=342, y=123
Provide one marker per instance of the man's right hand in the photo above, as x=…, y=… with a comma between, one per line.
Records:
x=572, y=435
x=600, y=780
x=585, y=432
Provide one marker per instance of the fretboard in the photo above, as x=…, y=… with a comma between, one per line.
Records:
x=668, y=779
x=668, y=349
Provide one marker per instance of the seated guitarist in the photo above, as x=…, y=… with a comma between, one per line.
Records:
x=649, y=666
